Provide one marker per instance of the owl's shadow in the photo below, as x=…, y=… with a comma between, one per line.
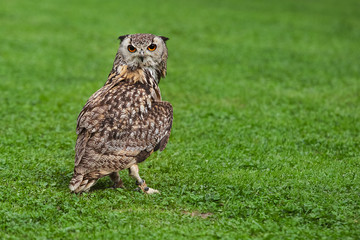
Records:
x=106, y=183
x=63, y=179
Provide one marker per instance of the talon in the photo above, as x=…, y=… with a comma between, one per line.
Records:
x=141, y=183
x=151, y=191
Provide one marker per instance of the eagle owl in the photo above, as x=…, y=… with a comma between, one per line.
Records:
x=124, y=121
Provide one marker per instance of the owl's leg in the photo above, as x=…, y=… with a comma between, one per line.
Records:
x=134, y=173
x=115, y=177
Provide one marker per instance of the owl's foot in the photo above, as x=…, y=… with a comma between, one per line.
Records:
x=145, y=189
x=118, y=183
x=134, y=173
x=152, y=191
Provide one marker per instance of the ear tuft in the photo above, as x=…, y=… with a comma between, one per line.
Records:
x=123, y=37
x=164, y=38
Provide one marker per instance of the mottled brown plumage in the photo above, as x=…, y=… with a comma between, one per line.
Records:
x=125, y=121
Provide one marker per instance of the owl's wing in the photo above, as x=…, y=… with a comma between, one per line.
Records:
x=93, y=105
x=123, y=121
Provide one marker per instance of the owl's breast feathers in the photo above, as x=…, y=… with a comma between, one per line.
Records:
x=126, y=117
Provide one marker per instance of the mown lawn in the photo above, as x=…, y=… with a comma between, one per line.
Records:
x=266, y=135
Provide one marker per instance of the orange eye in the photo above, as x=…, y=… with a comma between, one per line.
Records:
x=151, y=47
x=131, y=48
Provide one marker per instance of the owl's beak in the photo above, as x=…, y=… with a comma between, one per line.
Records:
x=141, y=55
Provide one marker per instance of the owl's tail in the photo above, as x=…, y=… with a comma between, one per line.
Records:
x=81, y=183
x=75, y=182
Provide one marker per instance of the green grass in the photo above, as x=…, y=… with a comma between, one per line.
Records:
x=266, y=132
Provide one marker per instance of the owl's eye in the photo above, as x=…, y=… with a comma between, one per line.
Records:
x=131, y=48
x=151, y=47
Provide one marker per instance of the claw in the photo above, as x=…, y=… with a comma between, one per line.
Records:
x=134, y=172
x=152, y=191
x=142, y=182
x=145, y=189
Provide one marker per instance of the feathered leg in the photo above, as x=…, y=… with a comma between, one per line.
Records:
x=134, y=173
x=115, y=177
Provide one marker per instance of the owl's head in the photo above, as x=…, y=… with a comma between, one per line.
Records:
x=143, y=51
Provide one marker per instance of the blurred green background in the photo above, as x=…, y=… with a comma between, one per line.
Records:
x=265, y=140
